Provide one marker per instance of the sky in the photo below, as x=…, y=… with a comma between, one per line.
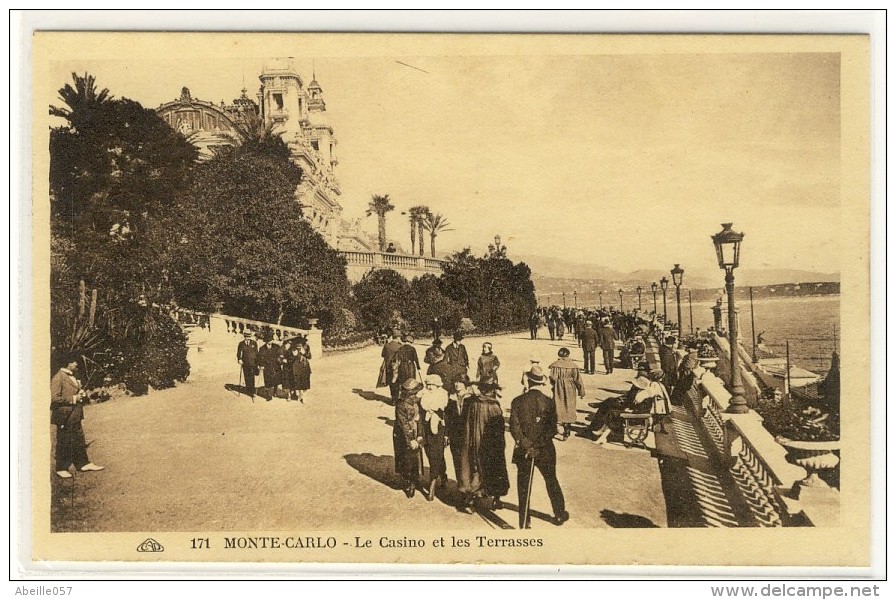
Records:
x=629, y=160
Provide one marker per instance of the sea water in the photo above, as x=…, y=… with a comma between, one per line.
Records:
x=810, y=323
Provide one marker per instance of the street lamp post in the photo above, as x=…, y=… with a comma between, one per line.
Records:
x=575, y=298
x=564, y=299
x=600, y=298
x=677, y=274
x=638, y=289
x=691, y=311
x=653, y=287
x=620, y=301
x=727, y=243
x=664, y=283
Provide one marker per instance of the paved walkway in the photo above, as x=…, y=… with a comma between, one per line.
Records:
x=201, y=457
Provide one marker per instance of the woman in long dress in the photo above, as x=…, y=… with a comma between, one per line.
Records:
x=487, y=368
x=301, y=371
x=407, y=363
x=485, y=448
x=567, y=383
x=407, y=437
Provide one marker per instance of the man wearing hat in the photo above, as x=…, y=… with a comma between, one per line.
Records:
x=669, y=362
x=268, y=361
x=637, y=399
x=450, y=374
x=533, y=422
x=389, y=369
x=456, y=353
x=436, y=343
x=607, y=344
x=407, y=437
x=247, y=356
x=688, y=374
x=533, y=360
x=588, y=339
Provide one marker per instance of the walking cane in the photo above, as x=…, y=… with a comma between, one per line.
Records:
x=240, y=385
x=420, y=468
x=524, y=517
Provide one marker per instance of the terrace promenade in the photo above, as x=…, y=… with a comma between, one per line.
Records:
x=204, y=457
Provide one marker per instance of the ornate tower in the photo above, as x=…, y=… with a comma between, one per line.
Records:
x=298, y=114
x=282, y=98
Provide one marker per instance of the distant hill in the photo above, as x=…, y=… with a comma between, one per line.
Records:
x=756, y=277
x=582, y=282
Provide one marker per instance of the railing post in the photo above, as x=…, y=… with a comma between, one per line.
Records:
x=315, y=339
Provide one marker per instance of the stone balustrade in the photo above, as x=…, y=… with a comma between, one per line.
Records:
x=359, y=263
x=225, y=325
x=757, y=463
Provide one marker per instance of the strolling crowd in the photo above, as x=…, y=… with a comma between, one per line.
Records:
x=286, y=369
x=446, y=408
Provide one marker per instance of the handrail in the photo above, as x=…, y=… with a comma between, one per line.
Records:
x=407, y=261
x=239, y=325
x=757, y=463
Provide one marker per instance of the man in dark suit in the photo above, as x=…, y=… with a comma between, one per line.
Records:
x=669, y=362
x=389, y=369
x=268, y=360
x=533, y=422
x=607, y=344
x=449, y=373
x=247, y=356
x=456, y=353
x=588, y=340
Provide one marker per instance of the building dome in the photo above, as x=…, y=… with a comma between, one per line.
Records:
x=280, y=67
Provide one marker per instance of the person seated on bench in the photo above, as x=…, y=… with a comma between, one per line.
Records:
x=660, y=395
x=636, y=400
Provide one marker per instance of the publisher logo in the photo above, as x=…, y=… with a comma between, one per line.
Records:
x=150, y=545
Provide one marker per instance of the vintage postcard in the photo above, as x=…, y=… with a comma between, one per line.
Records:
x=451, y=299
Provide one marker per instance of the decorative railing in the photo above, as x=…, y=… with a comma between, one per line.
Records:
x=219, y=324
x=357, y=258
x=392, y=260
x=756, y=462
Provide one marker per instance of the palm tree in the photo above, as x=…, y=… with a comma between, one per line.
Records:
x=435, y=223
x=84, y=95
x=415, y=216
x=379, y=206
x=421, y=225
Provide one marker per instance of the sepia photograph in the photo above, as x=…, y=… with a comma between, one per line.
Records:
x=451, y=299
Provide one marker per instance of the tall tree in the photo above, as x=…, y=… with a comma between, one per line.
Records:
x=421, y=227
x=379, y=206
x=415, y=216
x=256, y=134
x=117, y=171
x=435, y=223
x=80, y=100
x=249, y=247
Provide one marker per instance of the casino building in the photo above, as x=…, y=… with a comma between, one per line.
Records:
x=299, y=114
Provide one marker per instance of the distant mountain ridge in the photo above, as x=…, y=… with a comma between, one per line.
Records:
x=554, y=275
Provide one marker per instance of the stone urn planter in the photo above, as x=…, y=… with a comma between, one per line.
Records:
x=313, y=323
x=812, y=456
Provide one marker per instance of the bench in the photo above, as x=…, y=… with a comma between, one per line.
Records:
x=635, y=427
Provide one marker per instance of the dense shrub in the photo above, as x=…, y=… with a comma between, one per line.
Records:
x=382, y=298
x=495, y=293
x=427, y=302
x=157, y=357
